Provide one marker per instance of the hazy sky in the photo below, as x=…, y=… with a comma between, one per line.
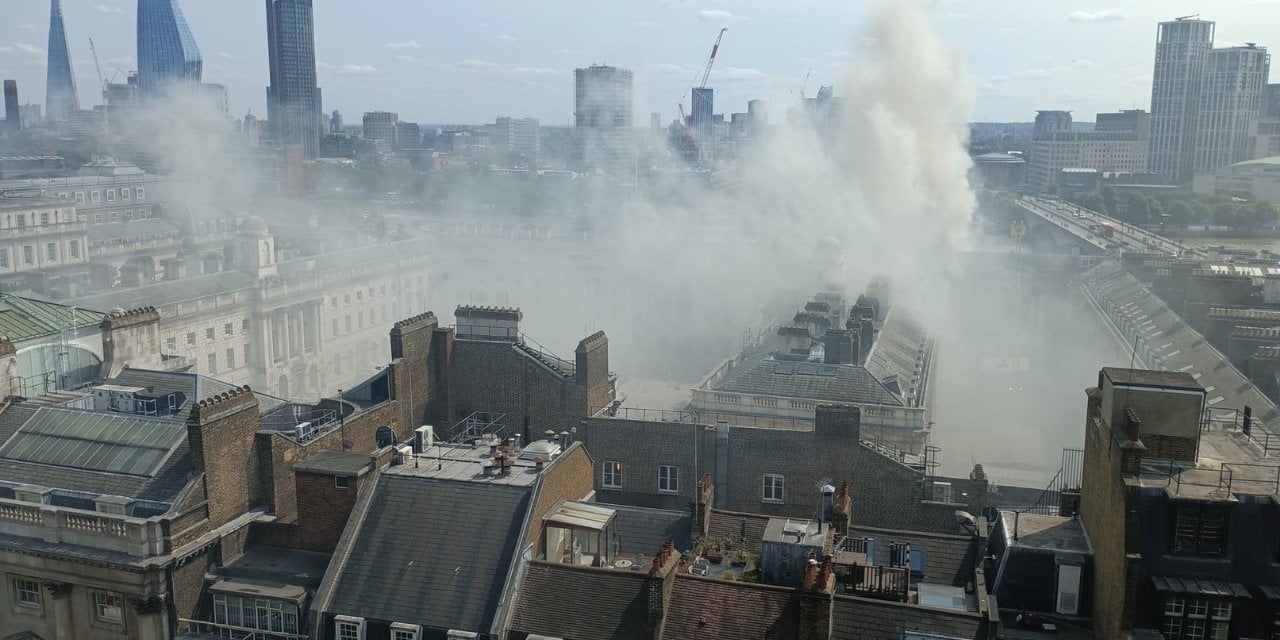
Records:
x=474, y=60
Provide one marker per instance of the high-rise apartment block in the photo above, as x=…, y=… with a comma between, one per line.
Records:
x=381, y=126
x=1231, y=97
x=1266, y=131
x=1048, y=122
x=60, y=91
x=703, y=100
x=167, y=52
x=603, y=116
x=293, y=99
x=1181, y=49
x=1205, y=102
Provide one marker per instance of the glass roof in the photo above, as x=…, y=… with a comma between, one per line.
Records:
x=108, y=442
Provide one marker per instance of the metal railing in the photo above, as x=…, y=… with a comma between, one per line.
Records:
x=245, y=633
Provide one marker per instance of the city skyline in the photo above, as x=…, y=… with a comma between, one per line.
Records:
x=508, y=59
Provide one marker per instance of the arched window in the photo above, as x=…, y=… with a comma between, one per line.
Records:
x=385, y=437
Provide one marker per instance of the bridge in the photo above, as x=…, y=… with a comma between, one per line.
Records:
x=1090, y=228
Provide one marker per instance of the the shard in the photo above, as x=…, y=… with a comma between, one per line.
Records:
x=60, y=92
x=167, y=52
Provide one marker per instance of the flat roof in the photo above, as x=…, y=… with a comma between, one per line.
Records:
x=581, y=515
x=1149, y=378
x=1044, y=532
x=464, y=464
x=336, y=463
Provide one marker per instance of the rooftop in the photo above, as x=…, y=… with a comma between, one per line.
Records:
x=336, y=463
x=1044, y=532
x=808, y=381
x=466, y=463
x=446, y=547
x=1150, y=378
x=23, y=319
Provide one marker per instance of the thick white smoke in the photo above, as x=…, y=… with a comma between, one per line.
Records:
x=888, y=177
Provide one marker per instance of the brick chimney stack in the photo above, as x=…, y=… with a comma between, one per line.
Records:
x=1132, y=424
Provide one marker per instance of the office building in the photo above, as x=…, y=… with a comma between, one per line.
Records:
x=603, y=116
x=517, y=136
x=12, y=120
x=1182, y=47
x=335, y=122
x=1231, y=102
x=1118, y=144
x=293, y=99
x=1048, y=122
x=381, y=126
x=757, y=115
x=60, y=90
x=167, y=52
x=1266, y=131
x=408, y=135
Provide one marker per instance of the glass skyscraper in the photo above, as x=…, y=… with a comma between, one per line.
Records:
x=60, y=90
x=167, y=52
x=293, y=99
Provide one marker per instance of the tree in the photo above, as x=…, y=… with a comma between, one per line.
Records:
x=1180, y=214
x=1263, y=214
x=1094, y=202
x=1224, y=214
x=1139, y=210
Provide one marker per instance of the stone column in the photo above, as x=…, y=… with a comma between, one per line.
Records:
x=151, y=618
x=62, y=627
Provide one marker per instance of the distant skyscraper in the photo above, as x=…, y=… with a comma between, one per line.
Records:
x=1232, y=96
x=758, y=110
x=60, y=90
x=380, y=125
x=293, y=99
x=167, y=52
x=12, y=120
x=603, y=116
x=704, y=99
x=335, y=122
x=1182, y=46
x=518, y=136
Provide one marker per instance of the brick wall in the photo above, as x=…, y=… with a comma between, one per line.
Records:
x=440, y=409
x=411, y=342
x=323, y=510
x=1171, y=447
x=592, y=371
x=131, y=338
x=498, y=378
x=642, y=447
x=1103, y=509
x=188, y=585
x=567, y=478
x=221, y=432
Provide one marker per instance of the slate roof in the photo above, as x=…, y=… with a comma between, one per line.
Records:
x=901, y=351
x=1167, y=343
x=23, y=319
x=848, y=383
x=193, y=385
x=552, y=602
x=170, y=292
x=644, y=530
x=711, y=608
x=445, y=547
x=167, y=482
x=946, y=558
x=132, y=230
x=864, y=619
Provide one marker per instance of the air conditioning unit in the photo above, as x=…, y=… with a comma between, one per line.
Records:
x=1068, y=600
x=424, y=438
x=942, y=492
x=404, y=453
x=304, y=431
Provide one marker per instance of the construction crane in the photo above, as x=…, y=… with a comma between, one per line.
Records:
x=702, y=84
x=101, y=80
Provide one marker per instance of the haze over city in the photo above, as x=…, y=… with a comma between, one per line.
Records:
x=651, y=320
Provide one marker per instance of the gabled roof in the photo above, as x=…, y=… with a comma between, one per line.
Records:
x=23, y=319
x=711, y=608
x=583, y=603
x=809, y=381
x=431, y=552
x=901, y=352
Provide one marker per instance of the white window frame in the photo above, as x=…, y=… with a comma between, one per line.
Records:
x=403, y=631
x=108, y=607
x=611, y=474
x=668, y=479
x=74, y=248
x=125, y=193
x=111, y=195
x=141, y=193
x=773, y=488
x=26, y=599
x=348, y=628
x=95, y=196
